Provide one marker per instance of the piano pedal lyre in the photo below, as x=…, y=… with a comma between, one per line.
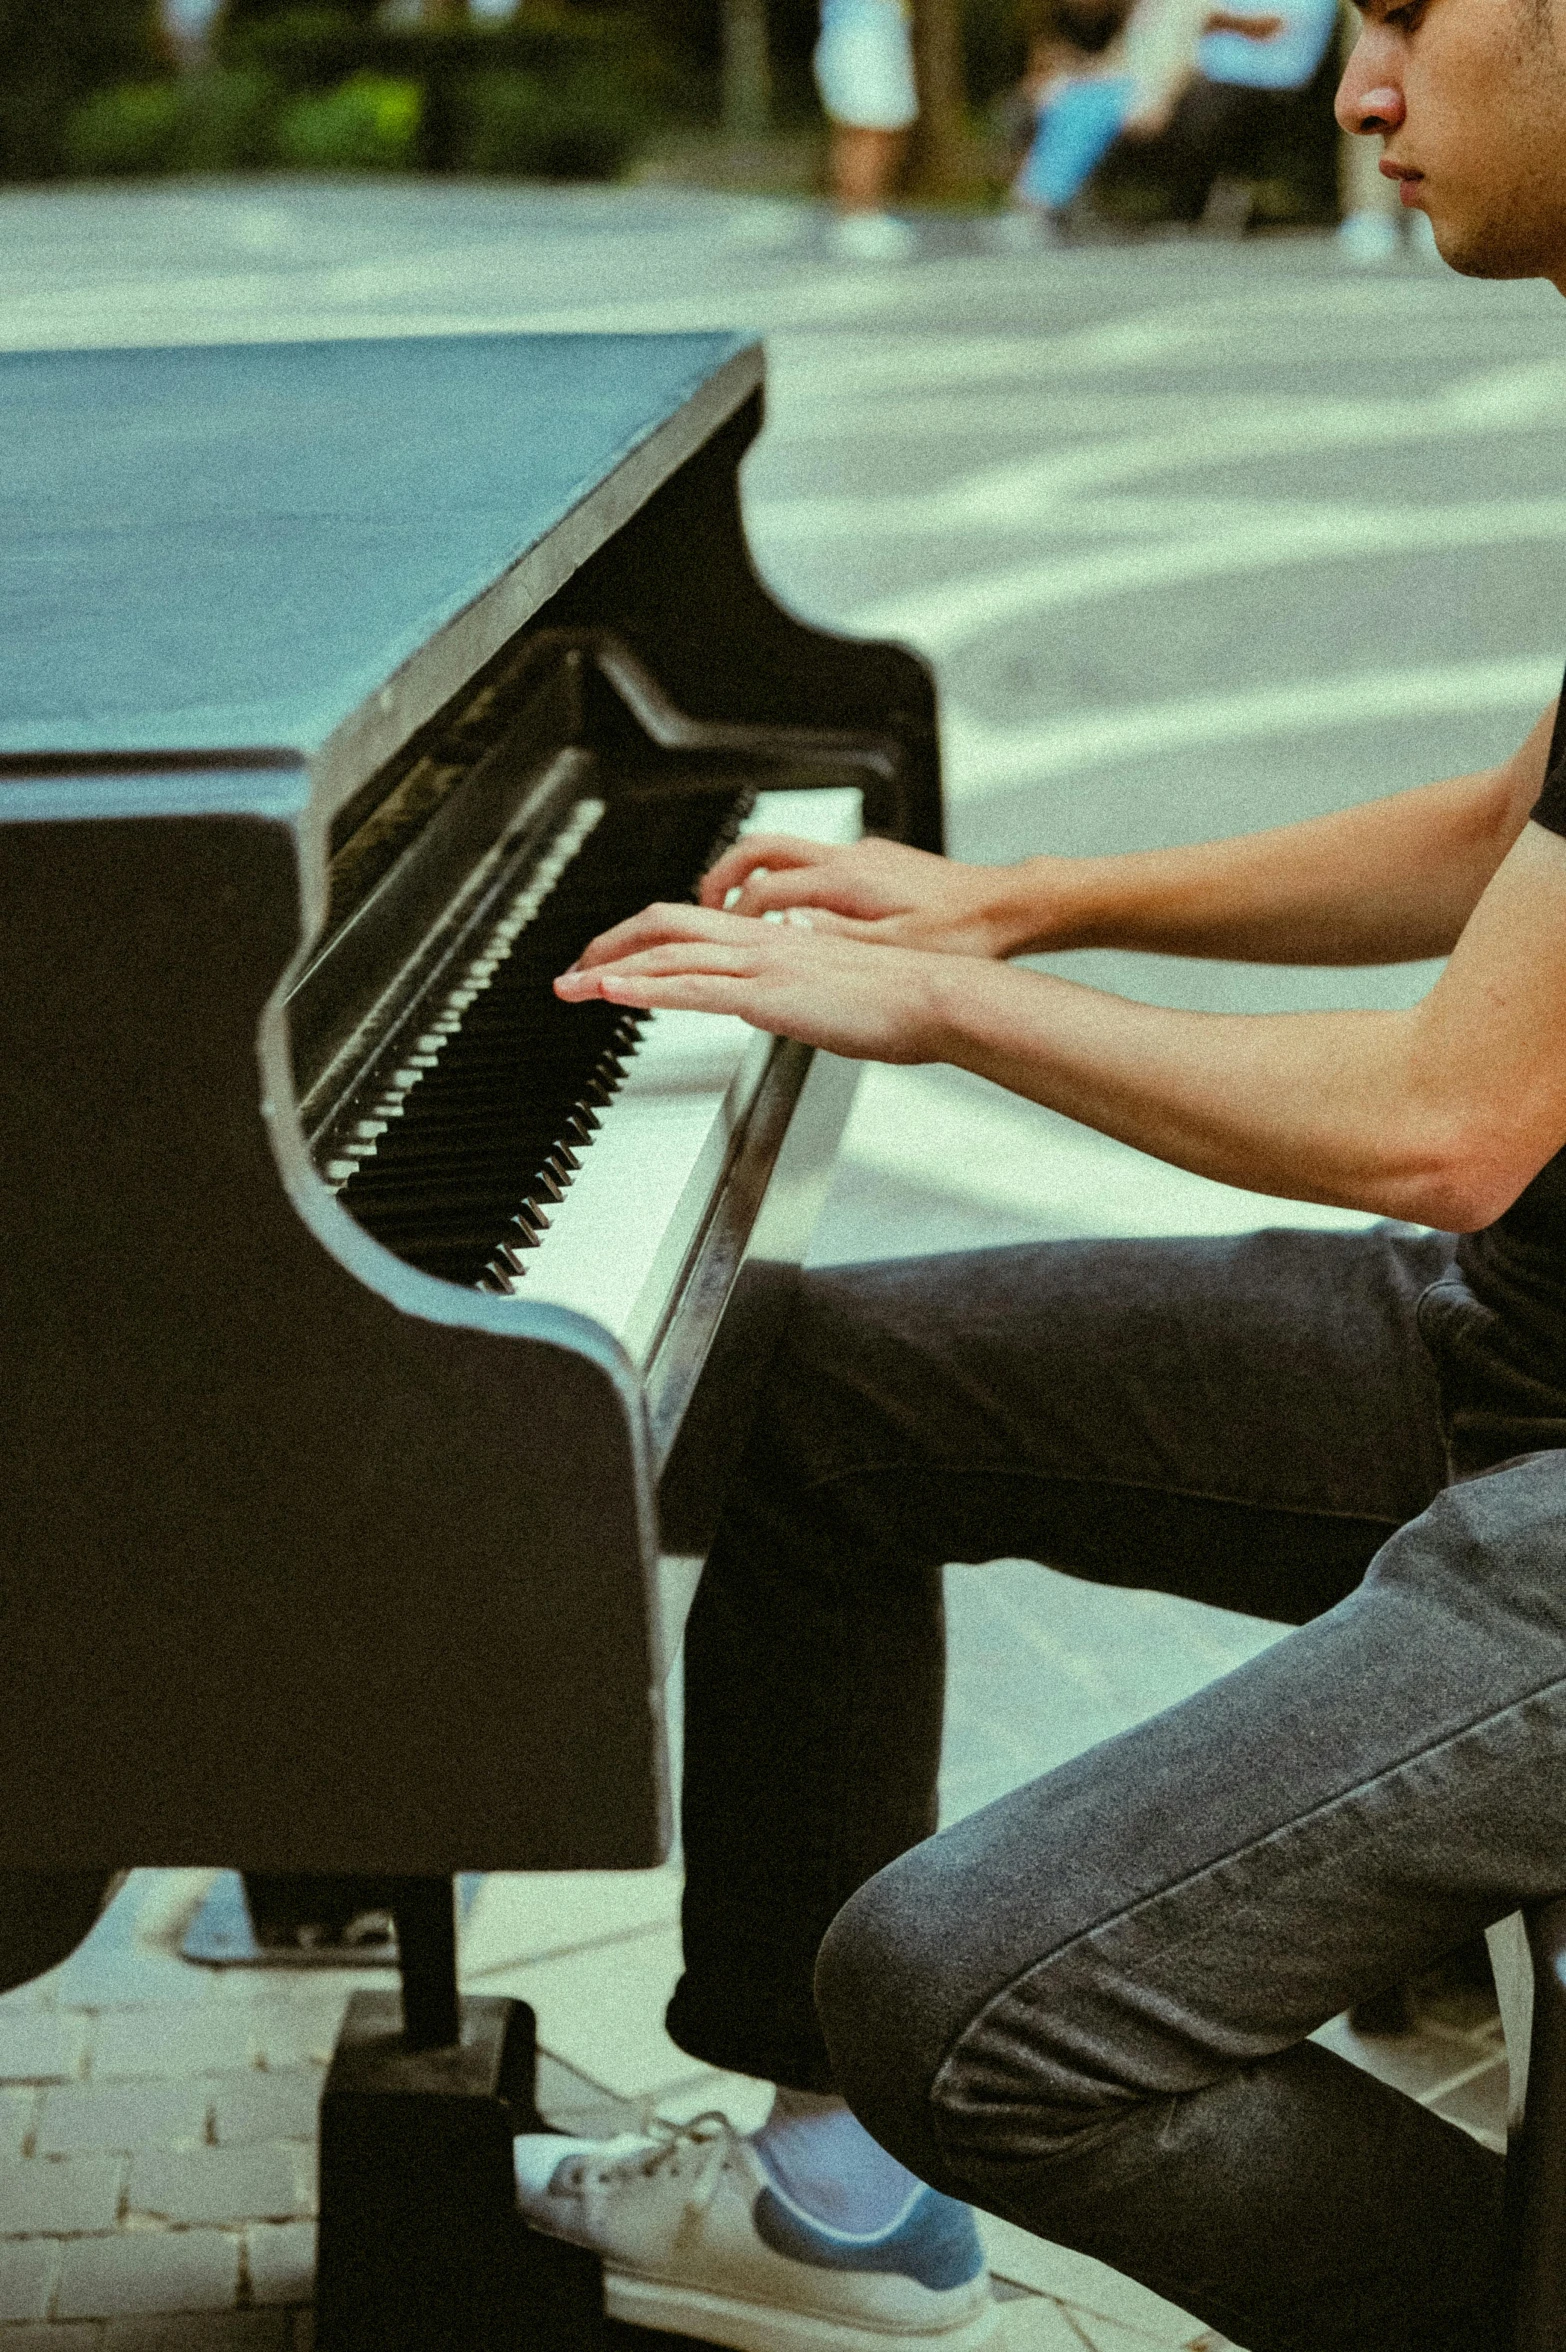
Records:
x=422, y=2248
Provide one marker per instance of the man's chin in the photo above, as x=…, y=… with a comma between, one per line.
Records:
x=1492, y=249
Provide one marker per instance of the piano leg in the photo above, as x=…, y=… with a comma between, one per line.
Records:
x=421, y=2247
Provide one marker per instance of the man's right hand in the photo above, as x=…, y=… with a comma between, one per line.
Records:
x=879, y=891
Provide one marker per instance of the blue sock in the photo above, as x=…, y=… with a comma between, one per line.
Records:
x=822, y=2157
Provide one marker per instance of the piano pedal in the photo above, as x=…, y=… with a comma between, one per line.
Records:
x=421, y=2247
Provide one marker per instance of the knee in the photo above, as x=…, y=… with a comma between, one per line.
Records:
x=955, y=2044
x=872, y=2000
x=894, y=1992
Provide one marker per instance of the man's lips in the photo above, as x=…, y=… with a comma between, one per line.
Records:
x=1411, y=180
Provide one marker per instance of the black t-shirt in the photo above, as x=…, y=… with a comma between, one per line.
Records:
x=1496, y=1325
x=1550, y=807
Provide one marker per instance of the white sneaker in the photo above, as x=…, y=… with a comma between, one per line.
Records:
x=698, y=2240
x=872, y=236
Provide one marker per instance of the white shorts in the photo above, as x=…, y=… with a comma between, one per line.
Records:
x=864, y=65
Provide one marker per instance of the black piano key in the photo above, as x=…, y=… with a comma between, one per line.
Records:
x=512, y=1080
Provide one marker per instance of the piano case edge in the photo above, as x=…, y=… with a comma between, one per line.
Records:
x=239, y=1434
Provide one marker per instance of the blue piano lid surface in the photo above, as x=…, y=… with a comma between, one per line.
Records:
x=212, y=549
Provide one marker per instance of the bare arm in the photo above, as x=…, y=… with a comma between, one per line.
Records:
x=1440, y=1114
x=1388, y=882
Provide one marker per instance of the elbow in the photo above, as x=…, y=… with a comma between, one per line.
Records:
x=1460, y=1188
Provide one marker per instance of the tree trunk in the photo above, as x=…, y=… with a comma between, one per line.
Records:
x=938, y=165
x=747, y=70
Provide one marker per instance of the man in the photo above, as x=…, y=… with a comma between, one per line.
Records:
x=1085, y=2007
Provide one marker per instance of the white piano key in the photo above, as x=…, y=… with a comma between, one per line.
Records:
x=618, y=1239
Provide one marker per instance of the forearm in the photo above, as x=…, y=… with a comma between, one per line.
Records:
x=1331, y=1107
x=1388, y=882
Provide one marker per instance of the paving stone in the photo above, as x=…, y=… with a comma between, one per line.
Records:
x=28, y=2267
x=1031, y=2323
x=301, y=2032
x=17, y=2111
x=270, y=2182
x=175, y=2038
x=282, y=2261
x=570, y=2103
x=1082, y=2284
x=1479, y=2105
x=59, y=2196
x=84, y=2336
x=255, y=2106
x=1422, y=2064
x=121, y=2116
x=41, y=2045
x=519, y=1917
x=205, y=2331
x=147, y=2271
x=1108, y=2335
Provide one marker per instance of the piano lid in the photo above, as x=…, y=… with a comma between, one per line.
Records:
x=302, y=550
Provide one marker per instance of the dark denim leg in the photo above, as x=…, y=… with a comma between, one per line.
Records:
x=1082, y=2006
x=1240, y=1420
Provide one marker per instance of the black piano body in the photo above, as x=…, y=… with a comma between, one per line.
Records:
x=333, y=676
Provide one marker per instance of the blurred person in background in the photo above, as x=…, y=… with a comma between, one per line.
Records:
x=1214, y=106
x=864, y=72
x=1077, y=95
x=1191, y=84
x=187, y=27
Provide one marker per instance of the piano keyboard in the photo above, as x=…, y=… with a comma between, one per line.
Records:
x=567, y=1153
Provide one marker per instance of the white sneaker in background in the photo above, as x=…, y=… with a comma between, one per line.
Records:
x=872, y=236
x=1023, y=229
x=1368, y=240
x=1422, y=242
x=698, y=2240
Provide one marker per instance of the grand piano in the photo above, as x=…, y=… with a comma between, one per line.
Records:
x=374, y=1323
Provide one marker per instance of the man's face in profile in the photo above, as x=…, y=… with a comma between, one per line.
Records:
x=1469, y=98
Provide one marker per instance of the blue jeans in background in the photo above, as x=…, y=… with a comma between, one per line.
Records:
x=1076, y=129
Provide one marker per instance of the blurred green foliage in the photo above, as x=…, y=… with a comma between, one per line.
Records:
x=565, y=92
x=582, y=126
x=206, y=122
x=54, y=56
x=566, y=89
x=560, y=92
x=370, y=122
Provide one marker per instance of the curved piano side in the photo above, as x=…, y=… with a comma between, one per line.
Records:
x=317, y=1563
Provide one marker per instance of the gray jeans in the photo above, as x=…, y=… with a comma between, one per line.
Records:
x=1085, y=2007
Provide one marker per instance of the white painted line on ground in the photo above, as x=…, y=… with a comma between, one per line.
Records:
x=1525, y=399
x=950, y=614
x=1204, y=333
x=982, y=761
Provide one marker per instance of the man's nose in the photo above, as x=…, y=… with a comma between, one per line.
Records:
x=1370, y=98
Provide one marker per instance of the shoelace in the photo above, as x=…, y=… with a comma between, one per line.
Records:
x=710, y=2134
